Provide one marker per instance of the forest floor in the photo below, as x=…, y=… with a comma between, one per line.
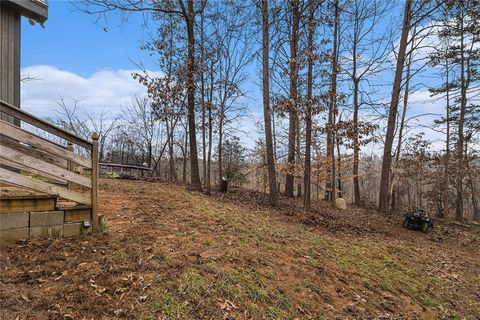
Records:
x=174, y=254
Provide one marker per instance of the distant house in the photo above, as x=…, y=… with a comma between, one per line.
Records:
x=10, y=24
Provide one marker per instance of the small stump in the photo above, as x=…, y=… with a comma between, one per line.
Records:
x=224, y=185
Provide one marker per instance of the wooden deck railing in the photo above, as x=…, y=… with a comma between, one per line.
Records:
x=24, y=151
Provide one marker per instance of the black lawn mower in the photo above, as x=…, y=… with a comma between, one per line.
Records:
x=418, y=219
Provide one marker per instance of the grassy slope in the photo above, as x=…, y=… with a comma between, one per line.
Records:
x=172, y=254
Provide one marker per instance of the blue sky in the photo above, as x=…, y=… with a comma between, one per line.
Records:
x=71, y=40
x=76, y=58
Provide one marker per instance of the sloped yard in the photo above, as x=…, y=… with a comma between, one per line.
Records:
x=173, y=254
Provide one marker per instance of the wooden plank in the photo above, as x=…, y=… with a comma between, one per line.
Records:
x=36, y=9
x=14, y=192
x=19, y=166
x=37, y=142
x=27, y=182
x=35, y=153
x=39, y=123
x=94, y=190
x=42, y=166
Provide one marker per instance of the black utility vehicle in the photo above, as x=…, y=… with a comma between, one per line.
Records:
x=418, y=219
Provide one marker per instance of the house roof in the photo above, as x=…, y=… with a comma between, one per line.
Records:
x=33, y=9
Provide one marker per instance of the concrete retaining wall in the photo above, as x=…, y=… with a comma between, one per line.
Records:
x=46, y=224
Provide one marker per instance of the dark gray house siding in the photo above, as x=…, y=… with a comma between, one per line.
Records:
x=10, y=23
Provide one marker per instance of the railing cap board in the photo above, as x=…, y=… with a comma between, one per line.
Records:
x=128, y=166
x=42, y=124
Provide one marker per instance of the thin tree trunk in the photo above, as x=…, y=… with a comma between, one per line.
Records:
x=185, y=157
x=272, y=183
x=298, y=160
x=446, y=180
x=202, y=80
x=274, y=136
x=383, y=201
x=292, y=128
x=210, y=127
x=471, y=184
x=220, y=143
x=170, y=151
x=476, y=211
x=330, y=189
x=356, y=142
x=461, y=121
x=339, y=178
x=308, y=115
x=209, y=156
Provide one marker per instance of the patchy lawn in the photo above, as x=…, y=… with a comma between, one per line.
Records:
x=173, y=254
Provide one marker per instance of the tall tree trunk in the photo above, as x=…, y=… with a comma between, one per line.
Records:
x=461, y=122
x=308, y=115
x=202, y=81
x=383, y=201
x=210, y=127
x=194, y=172
x=292, y=128
x=446, y=172
x=272, y=179
x=330, y=189
x=393, y=176
x=356, y=142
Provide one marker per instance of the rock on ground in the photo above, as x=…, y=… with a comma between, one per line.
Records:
x=340, y=204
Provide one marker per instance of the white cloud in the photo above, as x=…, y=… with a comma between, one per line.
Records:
x=105, y=89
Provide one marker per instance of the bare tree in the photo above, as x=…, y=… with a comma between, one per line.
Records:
x=383, y=202
x=293, y=102
x=272, y=183
x=332, y=107
x=368, y=49
x=84, y=123
x=309, y=104
x=185, y=9
x=140, y=117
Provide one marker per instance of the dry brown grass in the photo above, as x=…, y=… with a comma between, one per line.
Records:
x=173, y=254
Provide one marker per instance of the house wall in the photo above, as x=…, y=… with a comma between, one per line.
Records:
x=9, y=57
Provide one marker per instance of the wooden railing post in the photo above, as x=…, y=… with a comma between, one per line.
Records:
x=94, y=156
x=69, y=162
